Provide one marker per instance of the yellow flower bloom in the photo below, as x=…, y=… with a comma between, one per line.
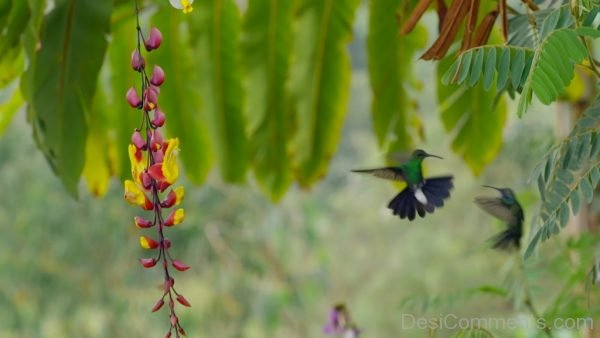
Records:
x=137, y=163
x=170, y=169
x=175, y=217
x=185, y=5
x=179, y=193
x=148, y=243
x=135, y=195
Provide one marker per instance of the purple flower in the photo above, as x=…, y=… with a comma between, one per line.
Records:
x=339, y=323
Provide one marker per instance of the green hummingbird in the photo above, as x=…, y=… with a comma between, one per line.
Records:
x=421, y=195
x=507, y=209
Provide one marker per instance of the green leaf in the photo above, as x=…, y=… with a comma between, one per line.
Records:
x=587, y=190
x=564, y=215
x=216, y=28
x=391, y=59
x=575, y=202
x=11, y=58
x=9, y=108
x=588, y=31
x=266, y=41
x=465, y=66
x=475, y=120
x=319, y=83
x=503, y=68
x=64, y=81
x=552, y=68
x=179, y=99
x=533, y=243
x=517, y=66
x=477, y=66
x=489, y=72
x=118, y=77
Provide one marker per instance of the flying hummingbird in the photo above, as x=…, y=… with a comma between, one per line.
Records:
x=506, y=208
x=421, y=195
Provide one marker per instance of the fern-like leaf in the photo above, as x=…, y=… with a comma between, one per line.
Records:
x=567, y=176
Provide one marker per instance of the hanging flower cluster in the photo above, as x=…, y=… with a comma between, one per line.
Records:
x=339, y=323
x=154, y=170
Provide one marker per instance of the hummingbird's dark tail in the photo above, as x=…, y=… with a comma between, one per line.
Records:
x=508, y=239
x=408, y=203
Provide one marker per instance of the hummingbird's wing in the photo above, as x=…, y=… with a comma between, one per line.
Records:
x=508, y=239
x=496, y=208
x=388, y=173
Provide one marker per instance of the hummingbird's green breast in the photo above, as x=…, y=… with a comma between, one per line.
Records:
x=412, y=172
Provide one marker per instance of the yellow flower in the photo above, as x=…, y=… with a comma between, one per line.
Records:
x=135, y=195
x=137, y=163
x=179, y=193
x=170, y=169
x=175, y=217
x=185, y=5
x=148, y=243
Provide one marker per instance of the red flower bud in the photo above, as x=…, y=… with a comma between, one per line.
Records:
x=137, y=61
x=166, y=243
x=154, y=39
x=133, y=99
x=159, y=118
x=170, y=200
x=137, y=140
x=158, y=305
x=174, y=319
x=168, y=335
x=148, y=262
x=142, y=222
x=179, y=265
x=158, y=76
x=183, y=301
x=182, y=331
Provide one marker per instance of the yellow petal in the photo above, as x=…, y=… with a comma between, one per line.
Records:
x=170, y=168
x=133, y=194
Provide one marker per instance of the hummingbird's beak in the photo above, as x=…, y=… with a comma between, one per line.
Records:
x=489, y=186
x=431, y=155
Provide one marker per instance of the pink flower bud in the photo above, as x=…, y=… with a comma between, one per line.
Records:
x=142, y=222
x=151, y=97
x=158, y=305
x=137, y=61
x=159, y=118
x=146, y=180
x=168, y=284
x=158, y=76
x=154, y=39
x=183, y=301
x=174, y=319
x=148, y=262
x=137, y=140
x=156, y=141
x=179, y=265
x=133, y=99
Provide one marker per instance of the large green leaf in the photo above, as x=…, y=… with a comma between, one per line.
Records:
x=475, y=119
x=11, y=56
x=319, y=84
x=266, y=42
x=391, y=60
x=64, y=72
x=178, y=98
x=216, y=28
x=117, y=78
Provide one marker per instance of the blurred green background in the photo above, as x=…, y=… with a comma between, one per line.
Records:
x=69, y=268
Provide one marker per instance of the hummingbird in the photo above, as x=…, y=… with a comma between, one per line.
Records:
x=421, y=195
x=507, y=209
